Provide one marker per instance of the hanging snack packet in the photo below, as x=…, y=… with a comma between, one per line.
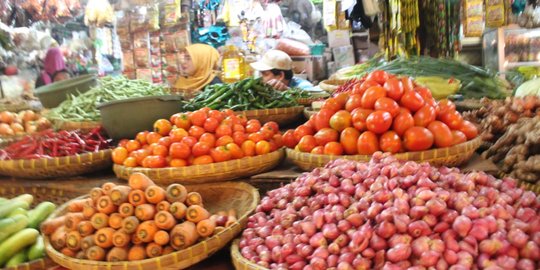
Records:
x=127, y=61
x=142, y=57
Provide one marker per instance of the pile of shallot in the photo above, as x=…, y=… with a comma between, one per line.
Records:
x=389, y=214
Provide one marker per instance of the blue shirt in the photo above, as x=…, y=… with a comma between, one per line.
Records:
x=300, y=83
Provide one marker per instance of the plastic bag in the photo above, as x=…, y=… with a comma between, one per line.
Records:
x=294, y=31
x=98, y=13
x=292, y=47
x=273, y=21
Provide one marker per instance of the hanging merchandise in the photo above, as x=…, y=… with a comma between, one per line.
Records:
x=442, y=27
x=231, y=11
x=371, y=7
x=473, y=19
x=495, y=13
x=273, y=22
x=98, y=13
x=401, y=21
x=330, y=14
x=170, y=13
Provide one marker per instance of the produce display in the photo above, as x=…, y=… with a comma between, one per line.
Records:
x=51, y=144
x=83, y=107
x=390, y=214
x=248, y=94
x=200, y=137
x=20, y=241
x=382, y=113
x=24, y=122
x=133, y=222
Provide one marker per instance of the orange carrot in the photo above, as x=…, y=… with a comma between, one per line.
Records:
x=49, y=226
x=81, y=255
x=68, y=252
x=95, y=253
x=184, y=235
x=135, y=239
x=154, y=194
x=154, y=250
x=88, y=211
x=136, y=253
x=99, y=220
x=107, y=187
x=146, y=231
x=206, y=227
x=136, y=197
x=232, y=213
x=105, y=205
x=119, y=194
x=164, y=220
x=196, y=213
x=222, y=213
x=130, y=224
x=115, y=221
x=161, y=237
x=87, y=242
x=140, y=181
x=126, y=209
x=163, y=206
x=73, y=219
x=117, y=254
x=178, y=210
x=168, y=250
x=194, y=198
x=230, y=221
x=58, y=238
x=77, y=205
x=145, y=212
x=121, y=239
x=103, y=237
x=95, y=193
x=176, y=193
x=85, y=228
x=73, y=240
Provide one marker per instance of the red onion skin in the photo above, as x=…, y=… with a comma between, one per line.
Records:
x=347, y=257
x=361, y=263
x=271, y=242
x=402, y=223
x=342, y=240
x=462, y=225
x=525, y=264
x=399, y=239
x=459, y=267
x=436, y=206
x=420, y=246
x=429, y=258
x=399, y=253
x=317, y=240
x=465, y=259
x=431, y=220
x=368, y=253
x=305, y=251
x=441, y=227
x=386, y=229
x=344, y=225
x=479, y=230
x=318, y=263
x=374, y=210
x=379, y=259
x=344, y=266
x=506, y=262
x=334, y=248
x=525, y=214
x=330, y=231
x=419, y=228
x=530, y=251
x=517, y=238
x=418, y=212
x=332, y=261
x=265, y=256
x=450, y=257
x=490, y=246
x=378, y=243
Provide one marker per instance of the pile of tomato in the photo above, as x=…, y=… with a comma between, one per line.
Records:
x=201, y=137
x=385, y=113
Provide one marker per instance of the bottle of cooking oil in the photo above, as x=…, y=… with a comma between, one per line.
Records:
x=233, y=65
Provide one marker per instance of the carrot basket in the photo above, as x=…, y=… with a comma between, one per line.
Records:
x=214, y=172
x=282, y=116
x=241, y=197
x=449, y=156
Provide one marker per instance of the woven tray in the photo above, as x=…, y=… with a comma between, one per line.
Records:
x=468, y=105
x=236, y=195
x=215, y=172
x=57, y=167
x=282, y=116
x=450, y=156
x=308, y=112
x=241, y=263
x=14, y=107
x=83, y=126
x=331, y=85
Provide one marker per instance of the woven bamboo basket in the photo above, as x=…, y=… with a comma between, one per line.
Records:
x=450, y=156
x=282, y=116
x=239, y=196
x=331, y=85
x=57, y=167
x=241, y=263
x=214, y=172
x=14, y=107
x=84, y=126
x=57, y=196
x=308, y=112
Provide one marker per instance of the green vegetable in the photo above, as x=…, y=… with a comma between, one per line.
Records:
x=19, y=258
x=37, y=250
x=11, y=225
x=529, y=88
x=25, y=198
x=16, y=243
x=18, y=211
x=40, y=213
x=7, y=208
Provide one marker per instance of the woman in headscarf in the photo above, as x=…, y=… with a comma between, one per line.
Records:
x=199, y=66
x=54, y=68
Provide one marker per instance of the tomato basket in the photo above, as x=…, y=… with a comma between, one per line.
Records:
x=282, y=116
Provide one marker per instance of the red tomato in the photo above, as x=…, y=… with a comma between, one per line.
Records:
x=371, y=95
x=211, y=124
x=390, y=142
x=349, y=140
x=417, y=139
x=458, y=137
x=332, y=104
x=208, y=138
x=368, y=143
x=394, y=89
x=236, y=151
x=379, y=122
x=424, y=92
x=217, y=115
x=262, y=147
x=302, y=131
x=469, y=129
x=200, y=149
x=340, y=120
x=272, y=125
x=239, y=137
x=333, y=148
x=222, y=141
x=359, y=117
x=223, y=130
x=198, y=118
x=189, y=140
x=379, y=76
x=289, y=139
x=319, y=150
x=407, y=83
x=412, y=101
x=360, y=88
x=442, y=134
x=341, y=99
x=307, y=143
x=388, y=105
x=165, y=141
x=453, y=120
x=220, y=154
x=326, y=135
x=179, y=150
x=354, y=101
x=253, y=126
x=154, y=162
x=322, y=119
x=424, y=116
x=446, y=106
x=196, y=131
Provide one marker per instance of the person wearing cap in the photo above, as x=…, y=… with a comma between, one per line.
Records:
x=276, y=70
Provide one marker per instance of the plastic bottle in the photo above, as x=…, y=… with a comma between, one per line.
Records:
x=233, y=65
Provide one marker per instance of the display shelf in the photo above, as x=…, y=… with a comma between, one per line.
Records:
x=471, y=41
x=521, y=64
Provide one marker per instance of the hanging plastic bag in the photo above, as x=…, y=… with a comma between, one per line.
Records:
x=98, y=13
x=294, y=31
x=273, y=21
x=371, y=7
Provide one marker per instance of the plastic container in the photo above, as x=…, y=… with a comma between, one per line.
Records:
x=123, y=119
x=53, y=94
x=317, y=49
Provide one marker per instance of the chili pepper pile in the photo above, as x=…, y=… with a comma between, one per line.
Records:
x=248, y=94
x=347, y=87
x=50, y=144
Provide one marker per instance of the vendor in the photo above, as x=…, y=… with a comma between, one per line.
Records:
x=276, y=70
x=54, y=68
x=199, y=64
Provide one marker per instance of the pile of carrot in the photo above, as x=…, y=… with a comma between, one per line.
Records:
x=134, y=222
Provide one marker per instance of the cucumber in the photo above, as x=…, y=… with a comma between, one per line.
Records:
x=5, y=209
x=25, y=198
x=17, y=259
x=9, y=226
x=18, y=211
x=37, y=250
x=40, y=213
x=16, y=243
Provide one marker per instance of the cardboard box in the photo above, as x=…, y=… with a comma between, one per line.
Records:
x=343, y=56
x=339, y=38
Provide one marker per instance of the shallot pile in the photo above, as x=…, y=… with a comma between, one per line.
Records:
x=390, y=214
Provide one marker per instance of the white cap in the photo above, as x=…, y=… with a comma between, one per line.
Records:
x=273, y=59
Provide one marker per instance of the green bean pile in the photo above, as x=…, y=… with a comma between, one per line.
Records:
x=83, y=107
x=248, y=94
